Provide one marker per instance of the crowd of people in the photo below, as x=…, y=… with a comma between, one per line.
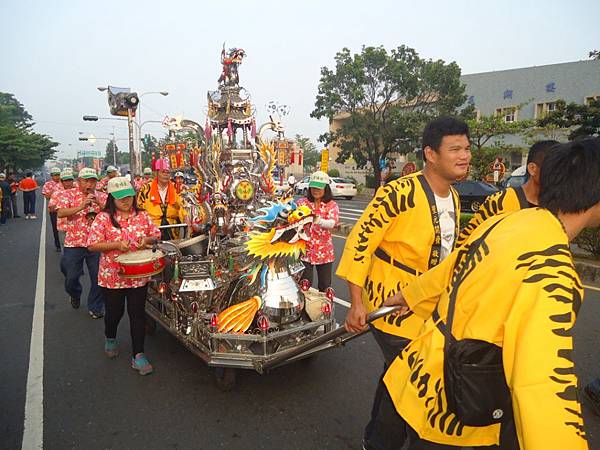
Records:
x=479, y=353
x=102, y=219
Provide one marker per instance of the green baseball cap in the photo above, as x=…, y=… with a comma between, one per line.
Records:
x=87, y=172
x=120, y=187
x=319, y=180
x=67, y=174
x=55, y=171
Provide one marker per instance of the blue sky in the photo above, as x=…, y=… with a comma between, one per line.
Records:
x=55, y=53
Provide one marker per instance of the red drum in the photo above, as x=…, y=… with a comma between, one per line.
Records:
x=141, y=263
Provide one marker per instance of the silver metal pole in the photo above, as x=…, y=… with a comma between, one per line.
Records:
x=133, y=156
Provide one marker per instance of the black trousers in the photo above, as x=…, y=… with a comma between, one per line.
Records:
x=323, y=274
x=29, y=203
x=54, y=229
x=115, y=307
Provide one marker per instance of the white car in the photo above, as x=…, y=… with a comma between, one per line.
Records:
x=302, y=186
x=340, y=187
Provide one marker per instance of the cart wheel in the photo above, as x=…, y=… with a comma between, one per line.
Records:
x=225, y=378
x=150, y=325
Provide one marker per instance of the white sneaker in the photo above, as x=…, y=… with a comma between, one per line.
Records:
x=33, y=217
x=27, y=216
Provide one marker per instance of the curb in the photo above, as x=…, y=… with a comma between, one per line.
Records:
x=588, y=271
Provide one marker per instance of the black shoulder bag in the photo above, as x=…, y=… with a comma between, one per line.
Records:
x=475, y=386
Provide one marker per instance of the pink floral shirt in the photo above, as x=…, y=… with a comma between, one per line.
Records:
x=61, y=222
x=133, y=229
x=78, y=225
x=101, y=184
x=319, y=250
x=50, y=186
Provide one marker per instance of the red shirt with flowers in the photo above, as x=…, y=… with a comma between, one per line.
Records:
x=78, y=225
x=61, y=222
x=319, y=249
x=51, y=186
x=133, y=229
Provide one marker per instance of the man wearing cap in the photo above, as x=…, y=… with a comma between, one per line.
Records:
x=111, y=172
x=49, y=188
x=161, y=200
x=80, y=206
x=179, y=182
x=67, y=181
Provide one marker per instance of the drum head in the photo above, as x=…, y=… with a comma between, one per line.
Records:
x=139, y=256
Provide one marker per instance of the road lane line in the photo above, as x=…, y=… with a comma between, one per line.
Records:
x=33, y=426
x=360, y=211
x=593, y=288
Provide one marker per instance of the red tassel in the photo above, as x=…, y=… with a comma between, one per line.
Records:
x=300, y=157
x=292, y=157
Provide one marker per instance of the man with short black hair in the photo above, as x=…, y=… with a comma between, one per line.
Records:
x=408, y=228
x=512, y=198
x=510, y=291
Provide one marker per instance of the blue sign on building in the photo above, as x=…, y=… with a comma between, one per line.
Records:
x=551, y=87
x=508, y=93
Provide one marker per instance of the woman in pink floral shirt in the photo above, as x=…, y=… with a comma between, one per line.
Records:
x=319, y=250
x=119, y=229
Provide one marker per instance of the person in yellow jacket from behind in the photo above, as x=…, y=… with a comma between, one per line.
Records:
x=408, y=228
x=511, y=288
x=161, y=201
x=512, y=198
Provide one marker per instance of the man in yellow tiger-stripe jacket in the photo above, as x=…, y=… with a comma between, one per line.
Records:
x=512, y=199
x=520, y=294
x=408, y=228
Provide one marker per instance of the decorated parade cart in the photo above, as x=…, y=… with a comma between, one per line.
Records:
x=230, y=287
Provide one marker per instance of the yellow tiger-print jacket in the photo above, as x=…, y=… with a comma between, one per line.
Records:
x=400, y=222
x=508, y=200
x=520, y=294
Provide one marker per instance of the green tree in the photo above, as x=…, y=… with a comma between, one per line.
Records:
x=384, y=99
x=582, y=120
x=151, y=146
x=310, y=156
x=111, y=155
x=19, y=146
x=487, y=140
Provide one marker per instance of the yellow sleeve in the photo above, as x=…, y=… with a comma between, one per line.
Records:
x=538, y=362
x=487, y=209
x=367, y=234
x=423, y=292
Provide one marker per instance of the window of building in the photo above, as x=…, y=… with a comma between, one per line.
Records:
x=589, y=99
x=509, y=114
x=542, y=109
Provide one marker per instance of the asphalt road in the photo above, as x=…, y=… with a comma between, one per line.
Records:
x=91, y=402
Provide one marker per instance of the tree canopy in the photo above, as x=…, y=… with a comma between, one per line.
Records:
x=583, y=120
x=310, y=156
x=20, y=147
x=384, y=99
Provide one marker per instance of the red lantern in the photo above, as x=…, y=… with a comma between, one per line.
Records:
x=300, y=157
x=292, y=157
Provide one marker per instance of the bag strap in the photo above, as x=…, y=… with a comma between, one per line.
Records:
x=463, y=272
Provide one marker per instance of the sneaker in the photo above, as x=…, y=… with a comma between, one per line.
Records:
x=26, y=216
x=141, y=364
x=111, y=347
x=33, y=217
x=75, y=302
x=96, y=315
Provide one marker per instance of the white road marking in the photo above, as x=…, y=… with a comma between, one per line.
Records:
x=33, y=426
x=593, y=288
x=359, y=211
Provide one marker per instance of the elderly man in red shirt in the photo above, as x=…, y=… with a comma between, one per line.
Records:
x=49, y=188
x=80, y=206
